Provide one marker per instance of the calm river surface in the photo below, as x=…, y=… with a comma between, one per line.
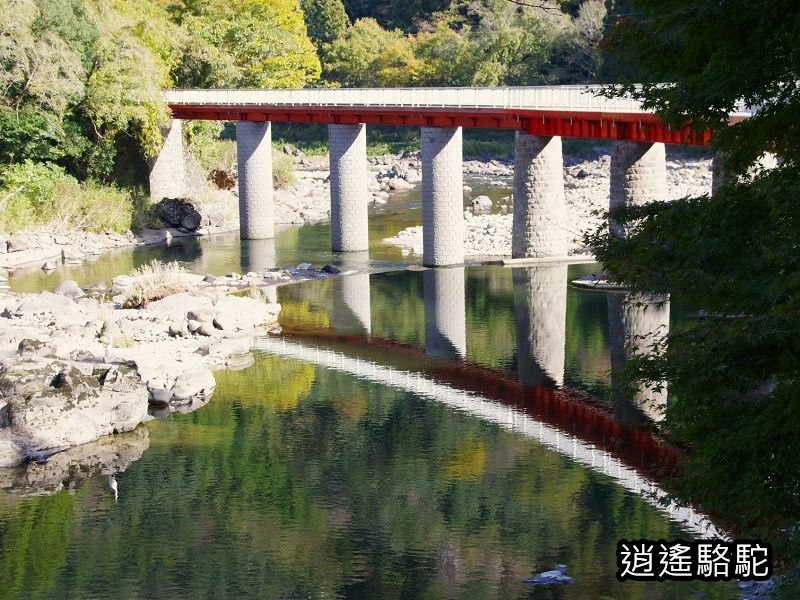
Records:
x=306, y=481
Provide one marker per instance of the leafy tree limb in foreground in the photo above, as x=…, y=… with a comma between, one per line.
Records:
x=734, y=376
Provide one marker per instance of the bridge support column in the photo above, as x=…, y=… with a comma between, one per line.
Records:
x=442, y=197
x=638, y=176
x=445, y=313
x=539, y=210
x=254, y=156
x=167, y=174
x=540, y=315
x=349, y=193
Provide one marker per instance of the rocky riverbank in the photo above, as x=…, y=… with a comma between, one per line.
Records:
x=586, y=189
x=77, y=366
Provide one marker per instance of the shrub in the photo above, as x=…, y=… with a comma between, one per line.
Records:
x=282, y=170
x=154, y=281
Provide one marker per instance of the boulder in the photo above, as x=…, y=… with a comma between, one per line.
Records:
x=196, y=382
x=49, y=265
x=12, y=453
x=398, y=183
x=17, y=243
x=52, y=404
x=177, y=306
x=332, y=269
x=232, y=313
x=70, y=289
x=180, y=212
x=71, y=255
x=482, y=203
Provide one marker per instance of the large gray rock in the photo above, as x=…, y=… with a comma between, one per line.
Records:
x=70, y=289
x=53, y=404
x=232, y=313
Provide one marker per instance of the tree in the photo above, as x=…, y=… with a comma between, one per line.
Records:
x=245, y=43
x=733, y=376
x=326, y=20
x=368, y=55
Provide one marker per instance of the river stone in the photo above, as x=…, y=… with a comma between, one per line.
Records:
x=482, y=203
x=177, y=306
x=232, y=313
x=49, y=266
x=53, y=405
x=11, y=452
x=17, y=243
x=194, y=383
x=398, y=183
x=179, y=212
x=70, y=289
x=200, y=314
x=332, y=269
x=71, y=255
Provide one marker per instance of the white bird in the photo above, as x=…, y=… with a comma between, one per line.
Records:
x=112, y=483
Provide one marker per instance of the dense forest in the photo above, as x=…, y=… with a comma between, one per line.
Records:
x=80, y=106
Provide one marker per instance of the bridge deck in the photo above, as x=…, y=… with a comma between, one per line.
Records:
x=569, y=111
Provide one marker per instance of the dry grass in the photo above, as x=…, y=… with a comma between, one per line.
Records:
x=154, y=281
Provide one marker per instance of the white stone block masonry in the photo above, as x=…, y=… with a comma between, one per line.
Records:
x=638, y=176
x=349, y=191
x=167, y=171
x=442, y=197
x=254, y=156
x=538, y=228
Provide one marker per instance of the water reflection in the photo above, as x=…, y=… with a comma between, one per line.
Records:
x=445, y=313
x=637, y=323
x=540, y=315
x=351, y=296
x=257, y=256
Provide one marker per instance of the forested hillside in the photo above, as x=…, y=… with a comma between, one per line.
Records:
x=80, y=103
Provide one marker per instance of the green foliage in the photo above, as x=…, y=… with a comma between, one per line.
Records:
x=733, y=376
x=368, y=55
x=282, y=170
x=326, y=20
x=246, y=43
x=40, y=193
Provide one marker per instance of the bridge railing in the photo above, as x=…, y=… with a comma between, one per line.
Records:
x=559, y=98
x=575, y=98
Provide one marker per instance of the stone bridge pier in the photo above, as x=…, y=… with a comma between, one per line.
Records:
x=349, y=192
x=636, y=323
x=540, y=317
x=442, y=197
x=638, y=176
x=167, y=170
x=254, y=157
x=538, y=225
x=445, y=313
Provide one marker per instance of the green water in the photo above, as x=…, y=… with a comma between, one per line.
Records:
x=300, y=481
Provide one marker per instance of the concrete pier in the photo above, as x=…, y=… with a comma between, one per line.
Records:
x=540, y=316
x=352, y=308
x=442, y=197
x=638, y=176
x=254, y=155
x=445, y=313
x=167, y=171
x=636, y=323
x=539, y=209
x=349, y=192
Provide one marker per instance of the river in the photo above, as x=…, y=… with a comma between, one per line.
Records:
x=411, y=434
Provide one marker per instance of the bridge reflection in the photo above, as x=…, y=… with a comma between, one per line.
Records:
x=571, y=442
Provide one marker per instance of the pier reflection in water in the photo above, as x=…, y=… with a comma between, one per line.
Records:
x=540, y=314
x=637, y=325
